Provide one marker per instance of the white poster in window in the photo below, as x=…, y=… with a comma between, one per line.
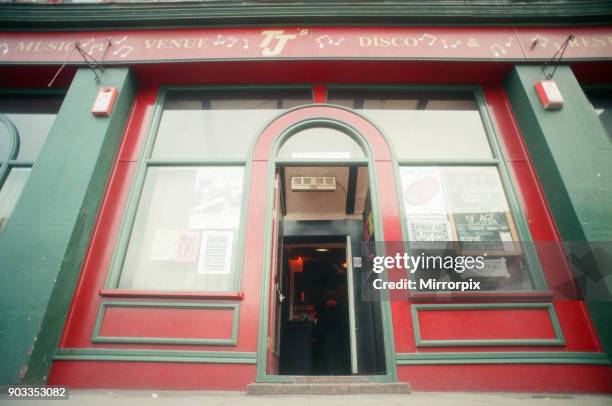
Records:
x=474, y=190
x=425, y=204
x=422, y=191
x=164, y=245
x=218, y=198
x=215, y=253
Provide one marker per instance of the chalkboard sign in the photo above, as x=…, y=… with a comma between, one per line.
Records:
x=491, y=232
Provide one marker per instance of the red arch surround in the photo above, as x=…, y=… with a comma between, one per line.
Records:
x=381, y=159
x=276, y=128
x=384, y=179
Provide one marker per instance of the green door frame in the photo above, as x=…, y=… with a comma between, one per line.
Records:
x=351, y=305
x=262, y=350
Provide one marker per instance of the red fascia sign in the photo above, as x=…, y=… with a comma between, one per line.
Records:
x=411, y=43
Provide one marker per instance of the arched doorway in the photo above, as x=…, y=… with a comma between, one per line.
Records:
x=324, y=166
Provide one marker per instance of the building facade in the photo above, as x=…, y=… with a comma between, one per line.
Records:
x=192, y=193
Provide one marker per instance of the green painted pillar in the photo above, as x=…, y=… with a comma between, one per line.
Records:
x=44, y=242
x=572, y=154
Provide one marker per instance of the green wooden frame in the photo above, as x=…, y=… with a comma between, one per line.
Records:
x=262, y=376
x=420, y=342
x=145, y=161
x=9, y=162
x=497, y=160
x=235, y=307
x=176, y=356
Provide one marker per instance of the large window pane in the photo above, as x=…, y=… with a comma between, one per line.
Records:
x=320, y=143
x=10, y=191
x=467, y=205
x=33, y=130
x=423, y=124
x=218, y=125
x=185, y=232
x=33, y=118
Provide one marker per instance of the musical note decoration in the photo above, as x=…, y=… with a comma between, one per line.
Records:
x=432, y=38
x=497, y=50
x=326, y=40
x=123, y=51
x=228, y=41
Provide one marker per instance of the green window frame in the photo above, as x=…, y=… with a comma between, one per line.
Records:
x=12, y=161
x=146, y=162
x=497, y=161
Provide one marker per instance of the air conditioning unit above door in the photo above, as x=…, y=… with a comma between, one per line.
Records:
x=313, y=183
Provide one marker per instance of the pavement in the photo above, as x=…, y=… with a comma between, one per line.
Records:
x=193, y=398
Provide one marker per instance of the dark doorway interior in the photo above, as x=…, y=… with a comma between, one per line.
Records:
x=319, y=324
x=315, y=335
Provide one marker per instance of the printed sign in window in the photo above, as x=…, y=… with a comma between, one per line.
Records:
x=215, y=253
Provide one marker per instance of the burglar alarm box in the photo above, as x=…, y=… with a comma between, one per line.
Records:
x=105, y=100
x=549, y=95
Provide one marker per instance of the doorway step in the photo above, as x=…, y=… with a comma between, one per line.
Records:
x=328, y=385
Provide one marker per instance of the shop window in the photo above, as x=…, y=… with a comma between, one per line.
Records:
x=24, y=125
x=196, y=125
x=185, y=231
x=466, y=204
x=423, y=125
x=452, y=181
x=602, y=103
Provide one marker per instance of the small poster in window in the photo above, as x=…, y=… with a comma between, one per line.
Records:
x=425, y=204
x=187, y=246
x=164, y=245
x=422, y=191
x=215, y=253
x=219, y=195
x=175, y=245
x=432, y=229
x=493, y=233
